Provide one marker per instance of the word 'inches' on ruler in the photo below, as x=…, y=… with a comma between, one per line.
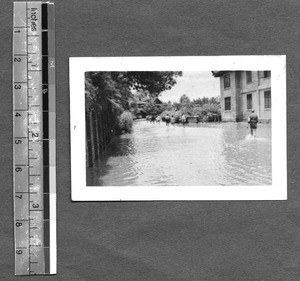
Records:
x=34, y=138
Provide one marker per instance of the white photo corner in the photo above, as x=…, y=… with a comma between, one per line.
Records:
x=178, y=128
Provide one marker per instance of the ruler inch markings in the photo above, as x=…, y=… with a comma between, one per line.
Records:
x=33, y=205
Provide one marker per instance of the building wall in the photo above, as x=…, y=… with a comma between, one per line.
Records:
x=238, y=86
x=238, y=91
x=265, y=114
x=247, y=87
x=263, y=82
x=255, y=102
x=229, y=115
x=257, y=87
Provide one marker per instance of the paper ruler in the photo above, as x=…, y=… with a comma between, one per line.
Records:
x=34, y=138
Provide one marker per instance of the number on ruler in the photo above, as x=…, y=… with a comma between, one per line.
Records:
x=18, y=224
x=18, y=169
x=28, y=109
x=17, y=59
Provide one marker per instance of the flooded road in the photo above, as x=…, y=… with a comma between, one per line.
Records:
x=197, y=154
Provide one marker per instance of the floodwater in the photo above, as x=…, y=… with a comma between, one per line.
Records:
x=197, y=154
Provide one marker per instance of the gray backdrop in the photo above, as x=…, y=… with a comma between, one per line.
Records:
x=163, y=240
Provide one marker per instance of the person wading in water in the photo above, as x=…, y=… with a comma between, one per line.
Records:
x=167, y=119
x=172, y=120
x=253, y=120
x=183, y=119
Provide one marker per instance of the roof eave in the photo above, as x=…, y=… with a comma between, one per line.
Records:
x=218, y=73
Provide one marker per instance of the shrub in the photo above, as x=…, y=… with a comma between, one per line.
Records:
x=124, y=123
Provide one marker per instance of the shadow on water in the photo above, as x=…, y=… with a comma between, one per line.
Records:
x=119, y=146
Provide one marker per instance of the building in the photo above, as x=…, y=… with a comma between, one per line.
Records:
x=157, y=101
x=140, y=112
x=242, y=91
x=141, y=103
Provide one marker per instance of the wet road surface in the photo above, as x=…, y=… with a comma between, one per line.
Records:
x=197, y=154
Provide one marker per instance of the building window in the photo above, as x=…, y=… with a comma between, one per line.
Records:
x=227, y=103
x=249, y=76
x=267, y=74
x=267, y=99
x=227, y=81
x=249, y=101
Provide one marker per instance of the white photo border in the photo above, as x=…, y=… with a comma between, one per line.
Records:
x=80, y=192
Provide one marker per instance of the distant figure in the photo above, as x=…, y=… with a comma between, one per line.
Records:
x=167, y=119
x=158, y=119
x=183, y=119
x=253, y=120
x=172, y=120
x=152, y=118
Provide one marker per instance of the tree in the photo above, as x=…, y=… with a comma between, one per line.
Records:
x=185, y=104
x=110, y=89
x=154, y=82
x=184, y=100
x=207, y=109
x=153, y=109
x=116, y=87
x=113, y=91
x=176, y=105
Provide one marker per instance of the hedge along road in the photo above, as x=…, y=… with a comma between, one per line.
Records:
x=196, y=154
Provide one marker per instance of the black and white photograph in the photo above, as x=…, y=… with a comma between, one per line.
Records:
x=180, y=127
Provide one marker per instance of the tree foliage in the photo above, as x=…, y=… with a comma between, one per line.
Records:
x=184, y=100
x=125, y=122
x=113, y=91
x=207, y=109
x=107, y=89
x=116, y=87
x=153, y=109
x=154, y=82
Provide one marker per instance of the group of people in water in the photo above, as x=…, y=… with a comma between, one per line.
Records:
x=252, y=120
x=168, y=119
x=153, y=118
x=171, y=119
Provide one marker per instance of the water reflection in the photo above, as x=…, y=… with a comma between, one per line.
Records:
x=199, y=154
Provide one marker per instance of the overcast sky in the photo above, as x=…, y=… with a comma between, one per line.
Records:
x=194, y=85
